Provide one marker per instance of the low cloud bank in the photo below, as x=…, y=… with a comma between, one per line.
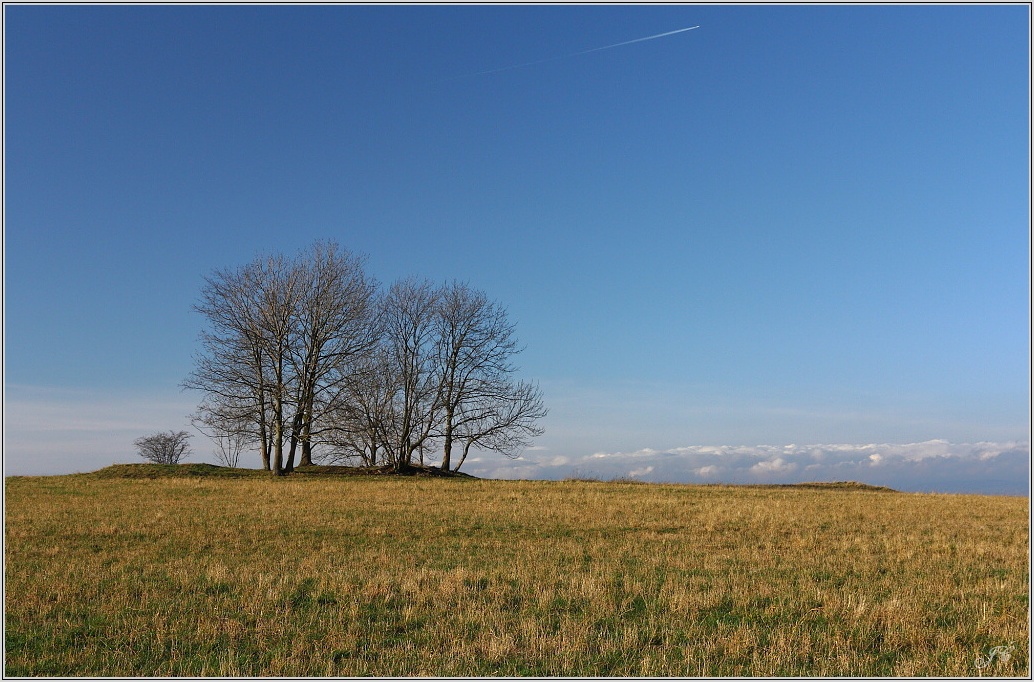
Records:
x=60, y=431
x=931, y=466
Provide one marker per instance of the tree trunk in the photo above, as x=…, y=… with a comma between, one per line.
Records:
x=263, y=431
x=263, y=426
x=466, y=449
x=264, y=445
x=278, y=439
x=307, y=435
x=295, y=428
x=447, y=454
x=278, y=458
x=404, y=457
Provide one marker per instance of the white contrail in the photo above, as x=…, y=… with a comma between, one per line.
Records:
x=637, y=40
x=573, y=54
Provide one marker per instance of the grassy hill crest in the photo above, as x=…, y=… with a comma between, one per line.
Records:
x=194, y=470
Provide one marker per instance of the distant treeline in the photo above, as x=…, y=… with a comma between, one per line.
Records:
x=310, y=357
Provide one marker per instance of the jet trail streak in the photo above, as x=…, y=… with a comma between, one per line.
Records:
x=573, y=54
x=637, y=40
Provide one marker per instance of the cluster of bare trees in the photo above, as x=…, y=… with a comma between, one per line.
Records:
x=309, y=358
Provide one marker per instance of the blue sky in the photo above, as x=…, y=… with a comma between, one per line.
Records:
x=793, y=225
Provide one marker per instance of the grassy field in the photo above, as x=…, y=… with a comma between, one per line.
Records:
x=110, y=574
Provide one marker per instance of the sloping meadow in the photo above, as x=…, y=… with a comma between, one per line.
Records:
x=351, y=576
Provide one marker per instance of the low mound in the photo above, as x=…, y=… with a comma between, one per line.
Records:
x=844, y=485
x=172, y=471
x=211, y=470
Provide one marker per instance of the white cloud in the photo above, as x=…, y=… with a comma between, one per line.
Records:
x=934, y=465
x=777, y=465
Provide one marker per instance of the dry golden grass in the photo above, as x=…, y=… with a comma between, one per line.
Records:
x=383, y=576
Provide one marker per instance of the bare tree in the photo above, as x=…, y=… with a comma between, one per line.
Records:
x=480, y=403
x=279, y=295
x=231, y=370
x=282, y=336
x=335, y=323
x=229, y=446
x=229, y=428
x=246, y=365
x=164, y=448
x=408, y=314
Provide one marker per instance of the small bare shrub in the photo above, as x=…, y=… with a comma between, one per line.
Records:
x=164, y=448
